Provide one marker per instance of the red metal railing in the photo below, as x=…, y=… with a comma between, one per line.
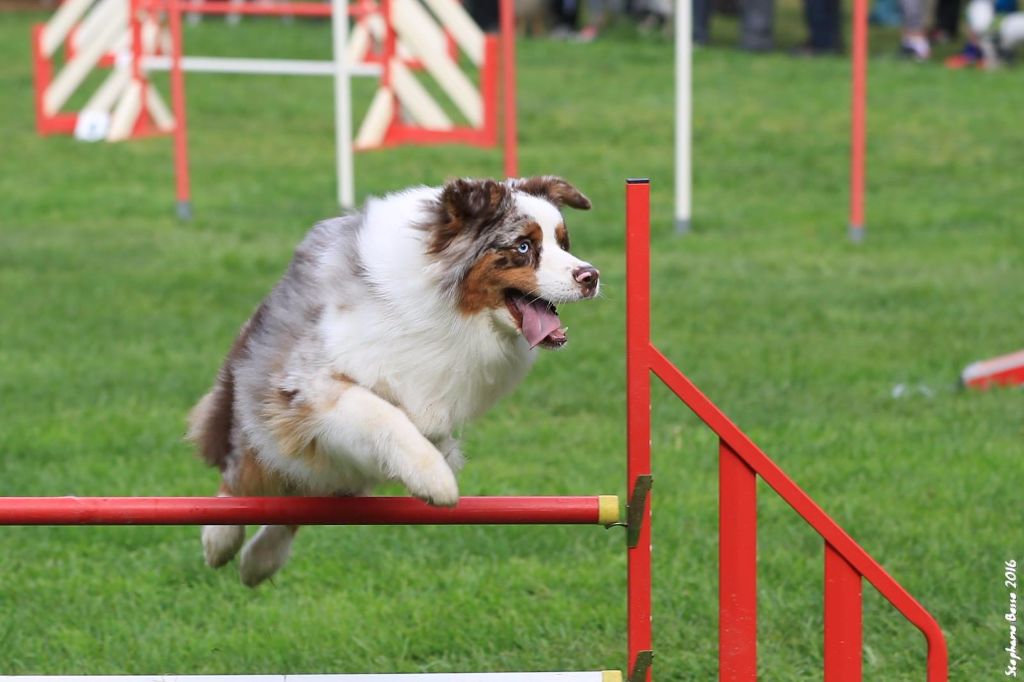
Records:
x=740, y=462
x=338, y=511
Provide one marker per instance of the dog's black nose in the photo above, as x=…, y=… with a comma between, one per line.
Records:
x=587, y=276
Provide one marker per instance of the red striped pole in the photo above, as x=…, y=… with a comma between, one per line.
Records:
x=638, y=412
x=351, y=511
x=858, y=118
x=183, y=190
x=507, y=24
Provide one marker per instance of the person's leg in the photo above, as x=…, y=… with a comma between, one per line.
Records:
x=914, y=43
x=565, y=13
x=702, y=21
x=757, y=23
x=947, y=17
x=822, y=25
x=484, y=13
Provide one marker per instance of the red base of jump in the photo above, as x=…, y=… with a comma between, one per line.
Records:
x=351, y=511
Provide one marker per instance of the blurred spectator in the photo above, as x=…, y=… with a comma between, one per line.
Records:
x=822, y=17
x=914, y=43
x=990, y=41
x=598, y=14
x=947, y=20
x=885, y=13
x=566, y=15
x=484, y=13
x=756, y=23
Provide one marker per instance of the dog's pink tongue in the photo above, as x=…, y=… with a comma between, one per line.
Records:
x=539, y=321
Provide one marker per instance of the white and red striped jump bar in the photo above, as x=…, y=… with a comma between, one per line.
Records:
x=1005, y=370
x=339, y=511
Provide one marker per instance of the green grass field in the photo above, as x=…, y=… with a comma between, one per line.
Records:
x=114, y=318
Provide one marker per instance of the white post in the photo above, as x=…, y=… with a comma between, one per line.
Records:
x=342, y=105
x=684, y=92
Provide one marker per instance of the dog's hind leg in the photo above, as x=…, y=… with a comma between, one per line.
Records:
x=221, y=543
x=266, y=553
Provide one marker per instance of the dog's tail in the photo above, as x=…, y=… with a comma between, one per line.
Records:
x=212, y=419
x=209, y=422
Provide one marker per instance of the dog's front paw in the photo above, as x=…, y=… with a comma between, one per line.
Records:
x=437, y=486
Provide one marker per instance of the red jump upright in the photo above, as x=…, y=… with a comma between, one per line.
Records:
x=858, y=118
x=741, y=461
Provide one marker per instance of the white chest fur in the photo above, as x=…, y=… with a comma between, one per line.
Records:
x=442, y=369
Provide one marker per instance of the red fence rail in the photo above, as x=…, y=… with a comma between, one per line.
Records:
x=741, y=461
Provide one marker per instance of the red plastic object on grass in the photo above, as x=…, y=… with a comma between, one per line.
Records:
x=1005, y=370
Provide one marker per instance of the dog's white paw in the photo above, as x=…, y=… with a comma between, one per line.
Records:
x=221, y=544
x=435, y=485
x=265, y=554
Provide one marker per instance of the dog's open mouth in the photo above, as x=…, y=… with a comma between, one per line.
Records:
x=537, y=319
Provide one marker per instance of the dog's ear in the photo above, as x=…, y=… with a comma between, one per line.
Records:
x=557, y=190
x=469, y=200
x=467, y=207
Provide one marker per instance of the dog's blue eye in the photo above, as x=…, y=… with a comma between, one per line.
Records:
x=524, y=247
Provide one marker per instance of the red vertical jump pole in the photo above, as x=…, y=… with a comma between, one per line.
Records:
x=737, y=568
x=507, y=26
x=638, y=421
x=858, y=118
x=389, y=49
x=183, y=191
x=43, y=73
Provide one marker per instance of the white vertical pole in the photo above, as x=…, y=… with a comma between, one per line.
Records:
x=684, y=91
x=342, y=105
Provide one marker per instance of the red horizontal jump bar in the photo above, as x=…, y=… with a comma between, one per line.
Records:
x=341, y=511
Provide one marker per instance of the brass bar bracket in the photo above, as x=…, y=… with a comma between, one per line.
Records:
x=635, y=508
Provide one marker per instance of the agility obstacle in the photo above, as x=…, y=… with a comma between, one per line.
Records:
x=684, y=126
x=391, y=40
x=741, y=462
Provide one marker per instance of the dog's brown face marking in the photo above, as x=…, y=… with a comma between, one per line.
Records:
x=506, y=266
